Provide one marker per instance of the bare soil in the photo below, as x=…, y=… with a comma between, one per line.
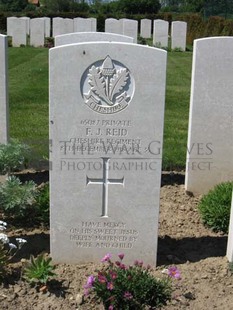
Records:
x=198, y=252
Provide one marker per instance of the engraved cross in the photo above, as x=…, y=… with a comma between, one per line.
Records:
x=105, y=181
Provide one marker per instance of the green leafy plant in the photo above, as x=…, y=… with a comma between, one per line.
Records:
x=39, y=270
x=17, y=199
x=7, y=249
x=42, y=203
x=215, y=207
x=130, y=287
x=13, y=156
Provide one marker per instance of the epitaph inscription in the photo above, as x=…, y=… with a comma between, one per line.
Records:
x=107, y=86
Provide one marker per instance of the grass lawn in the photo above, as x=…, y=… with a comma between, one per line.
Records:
x=28, y=97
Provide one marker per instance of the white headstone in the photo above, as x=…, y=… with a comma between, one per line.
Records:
x=79, y=37
x=210, y=148
x=47, y=21
x=27, y=19
x=130, y=28
x=19, y=32
x=178, y=35
x=83, y=24
x=57, y=26
x=113, y=25
x=68, y=25
x=160, y=33
x=37, y=32
x=230, y=236
x=4, y=117
x=145, y=28
x=93, y=24
x=106, y=164
x=10, y=25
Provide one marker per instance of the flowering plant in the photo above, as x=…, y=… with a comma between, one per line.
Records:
x=129, y=287
x=7, y=249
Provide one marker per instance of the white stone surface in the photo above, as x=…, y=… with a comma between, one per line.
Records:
x=210, y=148
x=10, y=25
x=230, y=236
x=4, y=113
x=93, y=24
x=79, y=37
x=83, y=24
x=130, y=28
x=47, y=21
x=37, y=32
x=27, y=19
x=145, y=31
x=57, y=26
x=160, y=33
x=178, y=35
x=106, y=164
x=19, y=32
x=68, y=26
x=113, y=25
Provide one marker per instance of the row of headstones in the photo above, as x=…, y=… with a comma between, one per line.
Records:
x=88, y=134
x=39, y=28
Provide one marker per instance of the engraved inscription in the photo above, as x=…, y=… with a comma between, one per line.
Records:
x=107, y=87
x=103, y=235
x=105, y=181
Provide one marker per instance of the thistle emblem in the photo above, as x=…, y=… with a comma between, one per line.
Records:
x=109, y=87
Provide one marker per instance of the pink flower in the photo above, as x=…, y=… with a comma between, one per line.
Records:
x=90, y=282
x=106, y=258
x=102, y=278
x=118, y=263
x=136, y=262
x=113, y=274
x=110, y=286
x=174, y=272
x=128, y=295
x=110, y=307
x=121, y=256
x=140, y=263
x=123, y=266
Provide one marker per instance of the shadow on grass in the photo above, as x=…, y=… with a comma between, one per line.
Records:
x=178, y=251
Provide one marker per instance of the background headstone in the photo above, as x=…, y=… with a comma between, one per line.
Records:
x=10, y=25
x=37, y=32
x=83, y=24
x=4, y=117
x=145, y=31
x=27, y=19
x=210, y=148
x=57, y=26
x=47, y=21
x=68, y=25
x=160, y=33
x=106, y=162
x=130, y=29
x=230, y=236
x=113, y=25
x=19, y=32
x=93, y=24
x=178, y=35
x=79, y=37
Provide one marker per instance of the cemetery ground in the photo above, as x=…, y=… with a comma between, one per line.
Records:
x=199, y=253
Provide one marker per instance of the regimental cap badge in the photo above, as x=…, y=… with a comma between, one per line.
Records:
x=108, y=87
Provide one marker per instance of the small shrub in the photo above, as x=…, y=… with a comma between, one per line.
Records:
x=39, y=270
x=42, y=204
x=130, y=287
x=16, y=199
x=13, y=156
x=215, y=207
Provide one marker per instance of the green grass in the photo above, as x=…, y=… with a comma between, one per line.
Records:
x=28, y=96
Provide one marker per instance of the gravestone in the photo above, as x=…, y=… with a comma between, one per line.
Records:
x=113, y=25
x=10, y=25
x=4, y=117
x=93, y=24
x=160, y=33
x=27, y=19
x=210, y=149
x=83, y=24
x=230, y=236
x=79, y=37
x=130, y=28
x=47, y=22
x=178, y=35
x=68, y=26
x=145, y=31
x=106, y=128
x=57, y=26
x=19, y=32
x=37, y=32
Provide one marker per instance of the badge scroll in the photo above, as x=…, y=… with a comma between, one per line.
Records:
x=109, y=87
